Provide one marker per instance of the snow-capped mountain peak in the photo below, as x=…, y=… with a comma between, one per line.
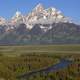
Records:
x=17, y=14
x=39, y=8
x=17, y=18
x=51, y=9
x=2, y=21
x=39, y=15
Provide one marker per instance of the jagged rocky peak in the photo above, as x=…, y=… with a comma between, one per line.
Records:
x=39, y=8
x=2, y=21
x=39, y=15
x=56, y=15
x=17, y=18
x=54, y=12
x=17, y=15
x=51, y=9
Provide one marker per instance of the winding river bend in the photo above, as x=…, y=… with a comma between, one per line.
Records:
x=61, y=65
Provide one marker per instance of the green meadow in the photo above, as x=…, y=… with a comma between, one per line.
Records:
x=17, y=60
x=10, y=50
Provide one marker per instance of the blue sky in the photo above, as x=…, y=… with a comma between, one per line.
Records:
x=70, y=8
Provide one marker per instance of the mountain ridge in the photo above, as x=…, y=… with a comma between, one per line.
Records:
x=40, y=26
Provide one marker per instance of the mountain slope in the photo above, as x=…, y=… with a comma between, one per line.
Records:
x=40, y=26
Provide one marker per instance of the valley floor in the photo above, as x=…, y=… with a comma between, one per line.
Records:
x=40, y=62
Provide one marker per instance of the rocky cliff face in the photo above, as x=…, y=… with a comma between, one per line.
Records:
x=40, y=26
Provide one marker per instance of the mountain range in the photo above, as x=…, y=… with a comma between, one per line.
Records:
x=40, y=26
